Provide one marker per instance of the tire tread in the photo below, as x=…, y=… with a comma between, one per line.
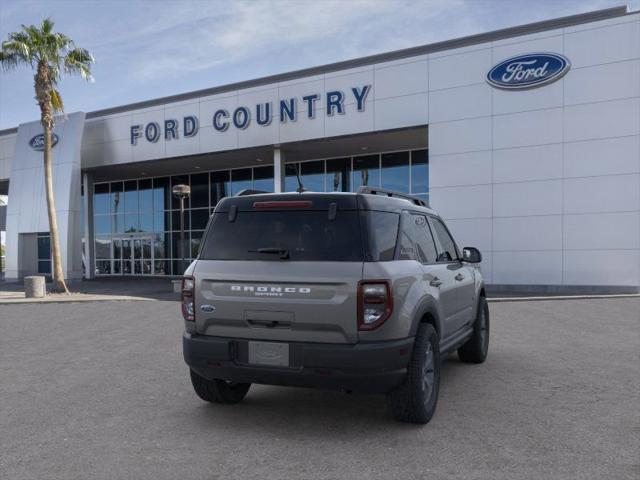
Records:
x=406, y=402
x=473, y=351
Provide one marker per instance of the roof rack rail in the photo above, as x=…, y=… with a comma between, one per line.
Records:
x=390, y=193
x=248, y=191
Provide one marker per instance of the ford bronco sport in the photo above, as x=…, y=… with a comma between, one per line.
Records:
x=358, y=292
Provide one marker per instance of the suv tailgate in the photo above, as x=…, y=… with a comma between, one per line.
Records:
x=282, y=301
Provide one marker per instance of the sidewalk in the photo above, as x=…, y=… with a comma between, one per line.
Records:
x=104, y=289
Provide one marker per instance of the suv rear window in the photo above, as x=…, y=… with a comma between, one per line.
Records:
x=294, y=235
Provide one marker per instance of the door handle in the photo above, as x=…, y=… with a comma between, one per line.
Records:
x=435, y=282
x=459, y=277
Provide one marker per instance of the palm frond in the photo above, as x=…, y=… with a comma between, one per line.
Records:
x=9, y=61
x=63, y=42
x=34, y=34
x=47, y=26
x=79, y=61
x=20, y=38
x=18, y=46
x=56, y=101
x=54, y=73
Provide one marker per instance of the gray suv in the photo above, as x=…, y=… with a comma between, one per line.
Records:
x=362, y=292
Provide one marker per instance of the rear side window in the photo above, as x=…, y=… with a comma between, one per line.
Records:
x=382, y=230
x=406, y=249
x=448, y=252
x=295, y=235
x=416, y=242
x=424, y=240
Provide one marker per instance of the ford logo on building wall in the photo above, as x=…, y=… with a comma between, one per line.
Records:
x=528, y=71
x=37, y=142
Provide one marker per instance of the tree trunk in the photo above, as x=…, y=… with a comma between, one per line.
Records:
x=43, y=86
x=59, y=284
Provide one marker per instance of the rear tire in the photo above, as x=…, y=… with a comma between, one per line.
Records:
x=415, y=400
x=477, y=347
x=218, y=391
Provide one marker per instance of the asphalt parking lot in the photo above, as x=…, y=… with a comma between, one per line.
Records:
x=100, y=390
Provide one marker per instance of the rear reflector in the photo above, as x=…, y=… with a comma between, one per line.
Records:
x=284, y=204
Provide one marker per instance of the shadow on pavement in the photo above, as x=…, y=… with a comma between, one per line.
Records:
x=279, y=410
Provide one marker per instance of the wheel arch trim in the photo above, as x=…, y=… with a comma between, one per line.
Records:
x=428, y=308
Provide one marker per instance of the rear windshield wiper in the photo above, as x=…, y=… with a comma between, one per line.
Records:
x=283, y=252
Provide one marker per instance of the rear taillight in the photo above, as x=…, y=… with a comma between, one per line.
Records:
x=375, y=303
x=188, y=287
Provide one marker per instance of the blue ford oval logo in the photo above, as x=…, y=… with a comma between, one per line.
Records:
x=37, y=142
x=528, y=71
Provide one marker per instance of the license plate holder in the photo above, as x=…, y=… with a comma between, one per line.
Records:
x=269, y=353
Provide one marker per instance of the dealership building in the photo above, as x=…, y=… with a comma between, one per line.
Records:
x=526, y=140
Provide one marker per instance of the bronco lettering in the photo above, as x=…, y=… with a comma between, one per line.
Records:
x=269, y=289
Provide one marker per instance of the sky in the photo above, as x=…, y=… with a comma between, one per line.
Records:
x=150, y=49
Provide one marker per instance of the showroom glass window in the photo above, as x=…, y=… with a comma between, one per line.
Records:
x=404, y=171
x=366, y=171
x=136, y=222
x=395, y=171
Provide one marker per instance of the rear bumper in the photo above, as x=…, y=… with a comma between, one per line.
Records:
x=375, y=367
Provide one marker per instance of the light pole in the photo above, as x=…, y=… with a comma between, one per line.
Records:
x=182, y=192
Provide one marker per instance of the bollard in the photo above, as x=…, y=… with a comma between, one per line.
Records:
x=34, y=287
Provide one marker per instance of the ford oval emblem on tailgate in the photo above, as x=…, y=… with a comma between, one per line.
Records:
x=207, y=308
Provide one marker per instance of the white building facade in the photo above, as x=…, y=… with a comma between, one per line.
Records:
x=526, y=140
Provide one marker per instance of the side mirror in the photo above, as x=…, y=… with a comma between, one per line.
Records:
x=471, y=255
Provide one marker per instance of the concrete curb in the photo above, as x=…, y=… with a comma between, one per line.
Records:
x=560, y=297
x=76, y=299
x=124, y=298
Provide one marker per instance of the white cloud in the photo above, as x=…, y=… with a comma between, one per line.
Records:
x=194, y=37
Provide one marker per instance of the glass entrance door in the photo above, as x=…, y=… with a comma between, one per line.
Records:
x=133, y=256
x=142, y=261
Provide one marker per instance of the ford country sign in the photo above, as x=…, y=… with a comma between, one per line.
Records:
x=528, y=71
x=283, y=110
x=37, y=142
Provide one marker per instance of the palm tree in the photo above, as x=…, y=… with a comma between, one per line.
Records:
x=49, y=54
